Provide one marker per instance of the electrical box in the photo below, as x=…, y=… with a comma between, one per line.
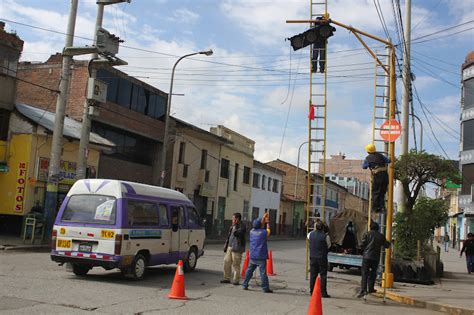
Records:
x=107, y=44
x=96, y=90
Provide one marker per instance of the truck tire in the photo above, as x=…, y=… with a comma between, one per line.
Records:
x=191, y=261
x=80, y=270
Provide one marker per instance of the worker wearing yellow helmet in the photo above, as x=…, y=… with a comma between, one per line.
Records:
x=377, y=164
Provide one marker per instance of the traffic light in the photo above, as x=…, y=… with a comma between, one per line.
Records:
x=317, y=34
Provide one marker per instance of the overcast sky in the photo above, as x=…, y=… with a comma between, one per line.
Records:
x=254, y=81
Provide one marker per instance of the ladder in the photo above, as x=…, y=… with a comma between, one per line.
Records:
x=316, y=181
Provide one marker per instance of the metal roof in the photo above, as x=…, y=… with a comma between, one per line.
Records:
x=72, y=128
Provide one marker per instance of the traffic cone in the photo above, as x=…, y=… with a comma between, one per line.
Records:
x=177, y=289
x=315, y=305
x=246, y=264
x=270, y=264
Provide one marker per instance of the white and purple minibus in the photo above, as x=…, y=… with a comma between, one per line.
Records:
x=118, y=224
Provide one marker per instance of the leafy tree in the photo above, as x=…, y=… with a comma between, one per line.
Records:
x=416, y=169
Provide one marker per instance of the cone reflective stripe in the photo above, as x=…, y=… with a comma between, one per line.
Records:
x=177, y=289
x=270, y=264
x=246, y=264
x=315, y=305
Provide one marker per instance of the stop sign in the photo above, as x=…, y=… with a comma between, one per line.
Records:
x=390, y=130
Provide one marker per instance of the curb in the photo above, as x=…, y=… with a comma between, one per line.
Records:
x=24, y=247
x=446, y=308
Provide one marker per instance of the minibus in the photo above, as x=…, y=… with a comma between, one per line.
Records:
x=125, y=225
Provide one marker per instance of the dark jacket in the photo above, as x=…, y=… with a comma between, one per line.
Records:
x=371, y=244
x=318, y=247
x=468, y=247
x=258, y=241
x=375, y=160
x=236, y=238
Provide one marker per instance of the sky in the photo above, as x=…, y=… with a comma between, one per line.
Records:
x=254, y=83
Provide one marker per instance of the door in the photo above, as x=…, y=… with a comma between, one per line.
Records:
x=179, y=233
x=255, y=211
x=272, y=216
x=220, y=215
x=195, y=228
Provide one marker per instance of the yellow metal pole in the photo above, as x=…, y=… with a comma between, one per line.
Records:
x=388, y=279
x=371, y=53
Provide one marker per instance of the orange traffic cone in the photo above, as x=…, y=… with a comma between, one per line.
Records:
x=270, y=264
x=177, y=289
x=315, y=305
x=246, y=264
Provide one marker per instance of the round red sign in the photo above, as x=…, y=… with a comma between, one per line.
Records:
x=390, y=130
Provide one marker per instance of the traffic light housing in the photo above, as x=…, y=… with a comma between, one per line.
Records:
x=315, y=35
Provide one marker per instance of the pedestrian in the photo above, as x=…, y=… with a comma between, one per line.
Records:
x=372, y=242
x=377, y=164
x=446, y=242
x=258, y=253
x=233, y=249
x=468, y=247
x=319, y=244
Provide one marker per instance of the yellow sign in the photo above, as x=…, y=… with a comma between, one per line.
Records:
x=65, y=244
x=107, y=234
x=62, y=231
x=20, y=187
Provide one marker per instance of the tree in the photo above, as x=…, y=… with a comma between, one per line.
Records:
x=416, y=169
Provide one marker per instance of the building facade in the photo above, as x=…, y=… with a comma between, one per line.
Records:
x=266, y=189
x=353, y=185
x=132, y=116
x=338, y=165
x=466, y=200
x=234, y=187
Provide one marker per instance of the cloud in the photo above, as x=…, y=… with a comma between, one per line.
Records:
x=184, y=15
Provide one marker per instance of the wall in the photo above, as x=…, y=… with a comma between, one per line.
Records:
x=338, y=164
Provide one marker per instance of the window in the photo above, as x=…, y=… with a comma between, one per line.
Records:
x=206, y=176
x=193, y=218
x=245, y=214
x=112, y=84
x=124, y=93
x=275, y=186
x=142, y=213
x=203, y=159
x=256, y=180
x=236, y=176
x=264, y=179
x=163, y=213
x=468, y=135
x=185, y=170
x=468, y=89
x=90, y=209
x=8, y=63
x=224, y=168
x=181, y=217
x=4, y=123
x=269, y=184
x=246, y=179
x=139, y=100
x=182, y=149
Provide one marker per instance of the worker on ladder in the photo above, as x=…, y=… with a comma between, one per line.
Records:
x=377, y=163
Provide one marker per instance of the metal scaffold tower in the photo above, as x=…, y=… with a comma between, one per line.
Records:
x=316, y=180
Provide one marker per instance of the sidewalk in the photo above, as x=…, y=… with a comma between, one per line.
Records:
x=8, y=242
x=451, y=294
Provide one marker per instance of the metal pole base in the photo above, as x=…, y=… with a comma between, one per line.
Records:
x=389, y=283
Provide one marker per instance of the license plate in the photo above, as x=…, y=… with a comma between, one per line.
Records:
x=85, y=247
x=65, y=244
x=107, y=234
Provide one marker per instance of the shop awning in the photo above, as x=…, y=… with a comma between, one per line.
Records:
x=72, y=128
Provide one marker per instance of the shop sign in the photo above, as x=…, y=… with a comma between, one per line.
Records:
x=20, y=187
x=67, y=171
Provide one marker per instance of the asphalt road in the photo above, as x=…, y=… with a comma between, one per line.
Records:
x=31, y=283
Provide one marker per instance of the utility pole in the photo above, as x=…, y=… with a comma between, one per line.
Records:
x=86, y=115
x=51, y=197
x=406, y=95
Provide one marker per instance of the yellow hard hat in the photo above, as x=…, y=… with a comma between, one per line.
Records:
x=370, y=148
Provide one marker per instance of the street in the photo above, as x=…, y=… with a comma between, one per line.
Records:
x=32, y=283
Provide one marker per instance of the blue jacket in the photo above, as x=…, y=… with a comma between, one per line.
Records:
x=258, y=241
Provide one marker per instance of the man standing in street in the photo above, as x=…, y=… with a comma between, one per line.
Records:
x=377, y=164
x=319, y=244
x=233, y=249
x=372, y=243
x=468, y=247
x=446, y=242
x=258, y=253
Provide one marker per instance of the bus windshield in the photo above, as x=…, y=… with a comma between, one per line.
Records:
x=90, y=209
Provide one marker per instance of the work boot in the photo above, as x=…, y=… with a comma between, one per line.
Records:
x=372, y=291
x=225, y=281
x=325, y=295
x=361, y=294
x=268, y=291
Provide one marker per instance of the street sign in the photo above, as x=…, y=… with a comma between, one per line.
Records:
x=390, y=130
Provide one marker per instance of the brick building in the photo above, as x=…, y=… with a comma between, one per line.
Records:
x=132, y=117
x=340, y=166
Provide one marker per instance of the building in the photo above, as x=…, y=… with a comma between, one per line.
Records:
x=338, y=165
x=266, y=189
x=450, y=193
x=132, y=117
x=234, y=188
x=23, y=183
x=353, y=185
x=194, y=158
x=466, y=200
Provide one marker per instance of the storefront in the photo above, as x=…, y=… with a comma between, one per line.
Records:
x=25, y=164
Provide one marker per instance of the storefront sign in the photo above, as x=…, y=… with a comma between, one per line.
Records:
x=20, y=187
x=67, y=171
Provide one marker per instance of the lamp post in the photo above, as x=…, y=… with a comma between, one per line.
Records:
x=167, y=116
x=298, y=165
x=421, y=131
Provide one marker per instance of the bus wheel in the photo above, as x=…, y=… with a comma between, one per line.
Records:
x=138, y=267
x=80, y=270
x=191, y=261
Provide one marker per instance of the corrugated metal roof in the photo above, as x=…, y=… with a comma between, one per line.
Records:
x=72, y=128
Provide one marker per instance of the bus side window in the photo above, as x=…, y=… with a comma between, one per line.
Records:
x=163, y=213
x=174, y=218
x=182, y=222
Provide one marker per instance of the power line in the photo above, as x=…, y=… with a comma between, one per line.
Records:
x=426, y=15
x=444, y=36
x=381, y=17
x=441, y=30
